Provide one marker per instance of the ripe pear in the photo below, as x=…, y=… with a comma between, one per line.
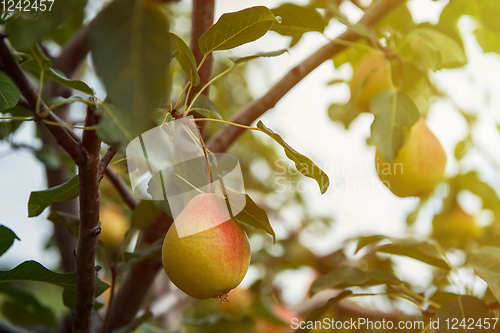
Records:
x=419, y=166
x=370, y=77
x=114, y=224
x=456, y=228
x=205, y=252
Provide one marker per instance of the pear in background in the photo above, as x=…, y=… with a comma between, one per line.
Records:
x=456, y=228
x=419, y=166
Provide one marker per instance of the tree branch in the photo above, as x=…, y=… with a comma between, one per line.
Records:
x=89, y=228
x=122, y=188
x=103, y=165
x=202, y=19
x=64, y=136
x=221, y=141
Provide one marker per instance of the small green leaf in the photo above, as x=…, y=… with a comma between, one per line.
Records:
x=461, y=148
x=303, y=164
x=34, y=271
x=7, y=238
x=9, y=93
x=465, y=309
x=349, y=276
x=72, y=222
x=297, y=20
x=39, y=200
x=185, y=57
x=58, y=77
x=204, y=106
x=343, y=113
x=256, y=217
x=486, y=263
x=131, y=51
x=258, y=55
x=23, y=308
x=472, y=182
x=238, y=28
x=144, y=214
x=395, y=113
x=318, y=313
x=26, y=28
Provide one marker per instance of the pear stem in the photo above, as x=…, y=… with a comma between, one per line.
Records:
x=206, y=157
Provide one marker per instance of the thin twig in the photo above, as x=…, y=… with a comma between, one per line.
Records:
x=110, y=153
x=122, y=188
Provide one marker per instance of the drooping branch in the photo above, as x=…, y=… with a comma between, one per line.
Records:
x=221, y=141
x=108, y=156
x=89, y=227
x=64, y=136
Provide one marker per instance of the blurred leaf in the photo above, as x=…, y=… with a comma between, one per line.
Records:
x=131, y=49
x=7, y=238
x=216, y=323
x=65, y=31
x=58, y=77
x=318, y=313
x=238, y=28
x=258, y=55
x=343, y=113
x=151, y=251
x=39, y=200
x=25, y=29
x=487, y=39
x=303, y=164
x=398, y=20
x=349, y=276
x=353, y=54
x=255, y=216
x=434, y=49
x=144, y=214
x=261, y=308
x=131, y=327
x=421, y=251
x=486, y=263
x=185, y=57
x=471, y=181
x=442, y=297
x=297, y=20
x=34, y=271
x=22, y=308
x=72, y=222
x=395, y=113
x=115, y=127
x=9, y=93
x=466, y=310
x=461, y=148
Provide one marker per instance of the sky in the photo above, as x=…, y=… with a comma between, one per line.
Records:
x=357, y=199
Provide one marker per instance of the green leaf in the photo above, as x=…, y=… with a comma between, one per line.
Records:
x=353, y=54
x=256, y=217
x=115, y=127
x=319, y=312
x=487, y=39
x=461, y=148
x=65, y=31
x=258, y=55
x=466, y=310
x=434, y=49
x=39, y=200
x=22, y=308
x=144, y=214
x=8, y=127
x=58, y=77
x=343, y=113
x=398, y=20
x=349, y=276
x=204, y=106
x=238, y=28
x=185, y=57
x=297, y=20
x=7, y=238
x=9, y=93
x=132, y=326
x=25, y=29
x=421, y=251
x=131, y=51
x=34, y=271
x=486, y=263
x=303, y=164
x=395, y=113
